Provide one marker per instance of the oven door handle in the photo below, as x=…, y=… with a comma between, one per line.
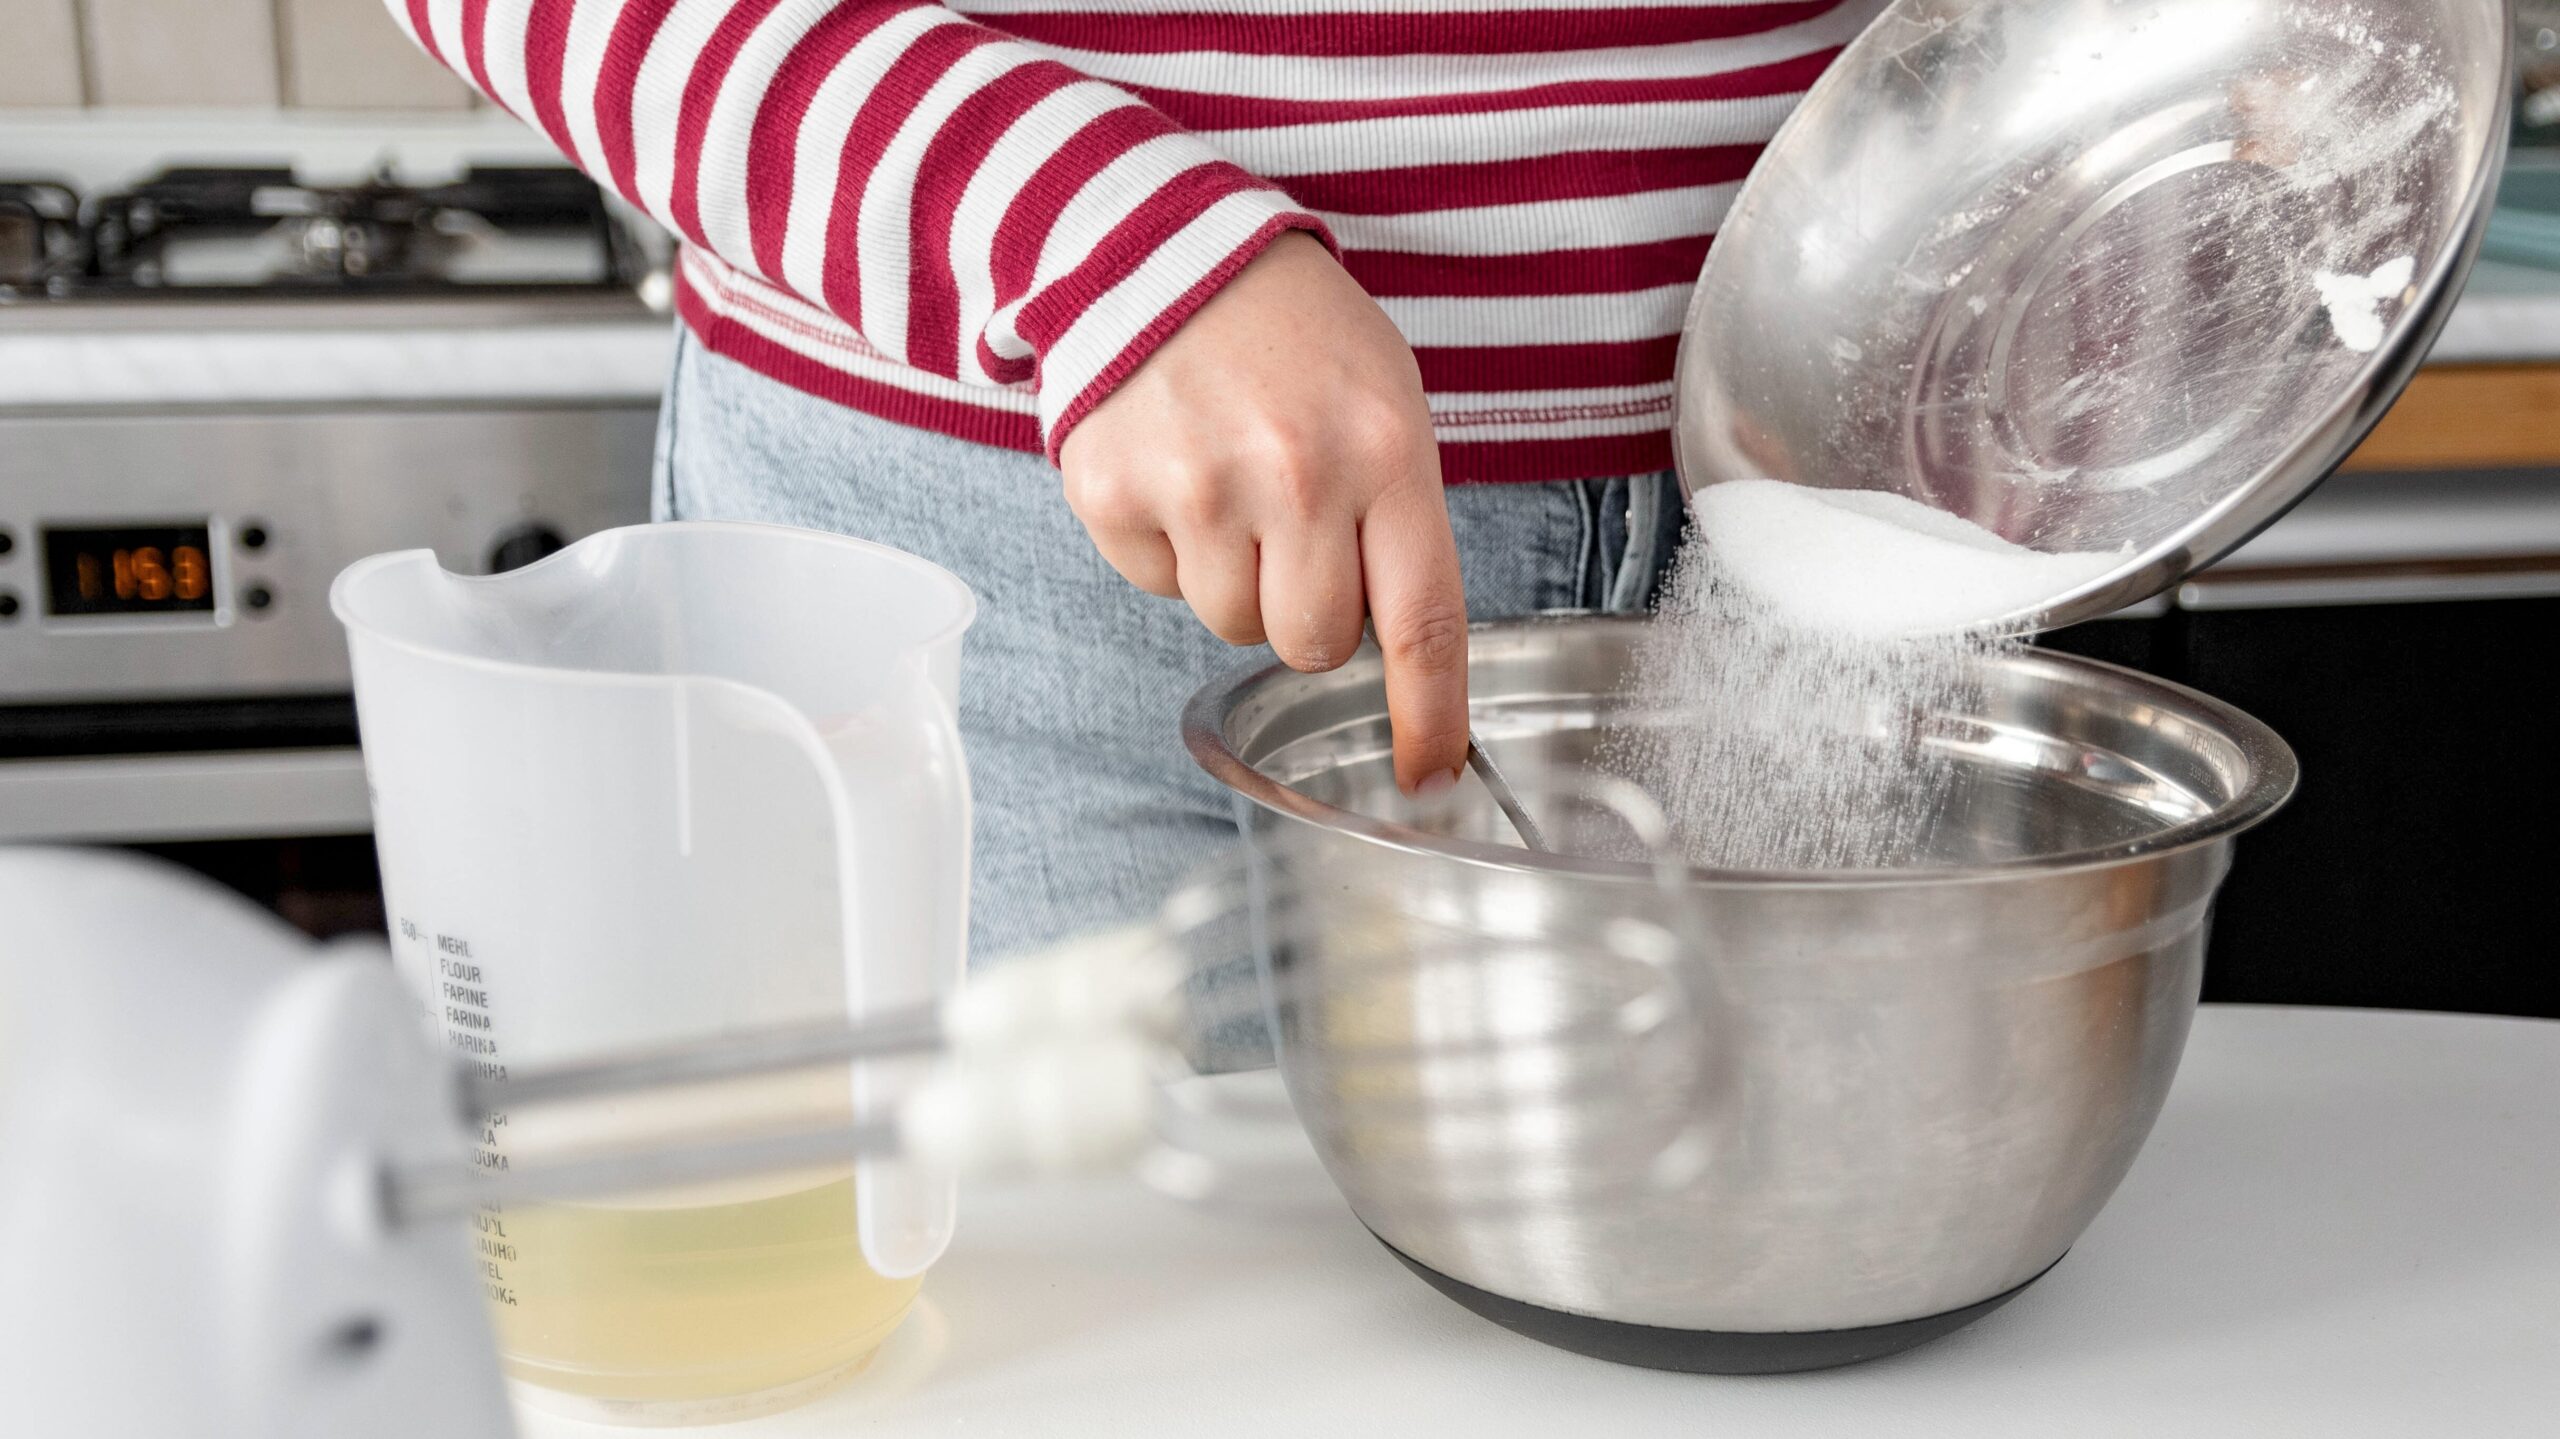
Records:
x=2385, y=582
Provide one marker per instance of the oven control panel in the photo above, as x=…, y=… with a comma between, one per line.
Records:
x=186, y=556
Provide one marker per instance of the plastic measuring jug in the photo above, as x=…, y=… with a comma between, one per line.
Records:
x=676, y=781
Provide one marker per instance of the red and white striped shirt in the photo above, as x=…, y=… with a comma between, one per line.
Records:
x=978, y=217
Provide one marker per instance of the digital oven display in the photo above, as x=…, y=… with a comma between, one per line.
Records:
x=129, y=570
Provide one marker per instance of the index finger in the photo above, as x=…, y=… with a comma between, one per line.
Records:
x=1418, y=602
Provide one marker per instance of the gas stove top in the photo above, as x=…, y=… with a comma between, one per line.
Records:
x=258, y=233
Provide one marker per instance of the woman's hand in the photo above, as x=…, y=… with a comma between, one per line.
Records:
x=1272, y=463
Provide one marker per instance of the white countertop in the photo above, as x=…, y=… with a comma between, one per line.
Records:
x=616, y=361
x=2347, y=1223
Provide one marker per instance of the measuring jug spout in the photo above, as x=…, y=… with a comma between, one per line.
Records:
x=673, y=781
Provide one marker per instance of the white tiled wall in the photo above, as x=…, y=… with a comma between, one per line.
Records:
x=180, y=52
x=349, y=55
x=39, y=52
x=194, y=54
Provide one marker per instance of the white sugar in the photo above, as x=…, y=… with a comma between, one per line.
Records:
x=1810, y=641
x=1864, y=562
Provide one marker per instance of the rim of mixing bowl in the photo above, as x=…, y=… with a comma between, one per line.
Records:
x=2273, y=773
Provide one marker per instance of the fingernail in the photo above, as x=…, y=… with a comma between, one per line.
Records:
x=1436, y=784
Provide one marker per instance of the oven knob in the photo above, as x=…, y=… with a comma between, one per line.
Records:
x=521, y=546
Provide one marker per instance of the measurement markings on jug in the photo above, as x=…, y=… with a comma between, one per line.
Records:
x=463, y=990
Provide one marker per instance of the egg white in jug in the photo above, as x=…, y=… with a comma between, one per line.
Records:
x=758, y=1300
x=701, y=1303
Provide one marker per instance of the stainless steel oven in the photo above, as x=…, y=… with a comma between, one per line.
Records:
x=168, y=664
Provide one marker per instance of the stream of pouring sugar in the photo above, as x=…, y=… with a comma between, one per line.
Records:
x=1806, y=639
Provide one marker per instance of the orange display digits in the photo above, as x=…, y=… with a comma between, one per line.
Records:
x=191, y=575
x=150, y=574
x=153, y=569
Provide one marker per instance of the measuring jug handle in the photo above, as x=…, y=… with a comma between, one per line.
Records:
x=904, y=817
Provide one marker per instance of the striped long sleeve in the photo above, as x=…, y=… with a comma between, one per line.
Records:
x=991, y=239
x=976, y=217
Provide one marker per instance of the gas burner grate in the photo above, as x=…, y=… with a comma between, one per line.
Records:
x=39, y=234
x=259, y=231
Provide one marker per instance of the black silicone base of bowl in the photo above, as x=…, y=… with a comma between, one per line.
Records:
x=1705, y=1351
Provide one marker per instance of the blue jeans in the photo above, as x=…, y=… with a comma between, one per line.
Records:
x=1088, y=809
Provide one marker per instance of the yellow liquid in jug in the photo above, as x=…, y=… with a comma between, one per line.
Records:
x=684, y=1304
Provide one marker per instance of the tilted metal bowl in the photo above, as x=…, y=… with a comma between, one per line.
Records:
x=2099, y=274
x=1883, y=1100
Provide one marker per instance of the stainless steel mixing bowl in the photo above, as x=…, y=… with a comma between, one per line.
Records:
x=1883, y=1101
x=2099, y=274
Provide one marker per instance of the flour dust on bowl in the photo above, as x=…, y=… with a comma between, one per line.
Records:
x=1907, y=1091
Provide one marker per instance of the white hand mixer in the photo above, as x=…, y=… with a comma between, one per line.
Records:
x=240, y=1191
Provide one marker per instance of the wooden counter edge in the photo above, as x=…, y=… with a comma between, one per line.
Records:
x=2470, y=417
